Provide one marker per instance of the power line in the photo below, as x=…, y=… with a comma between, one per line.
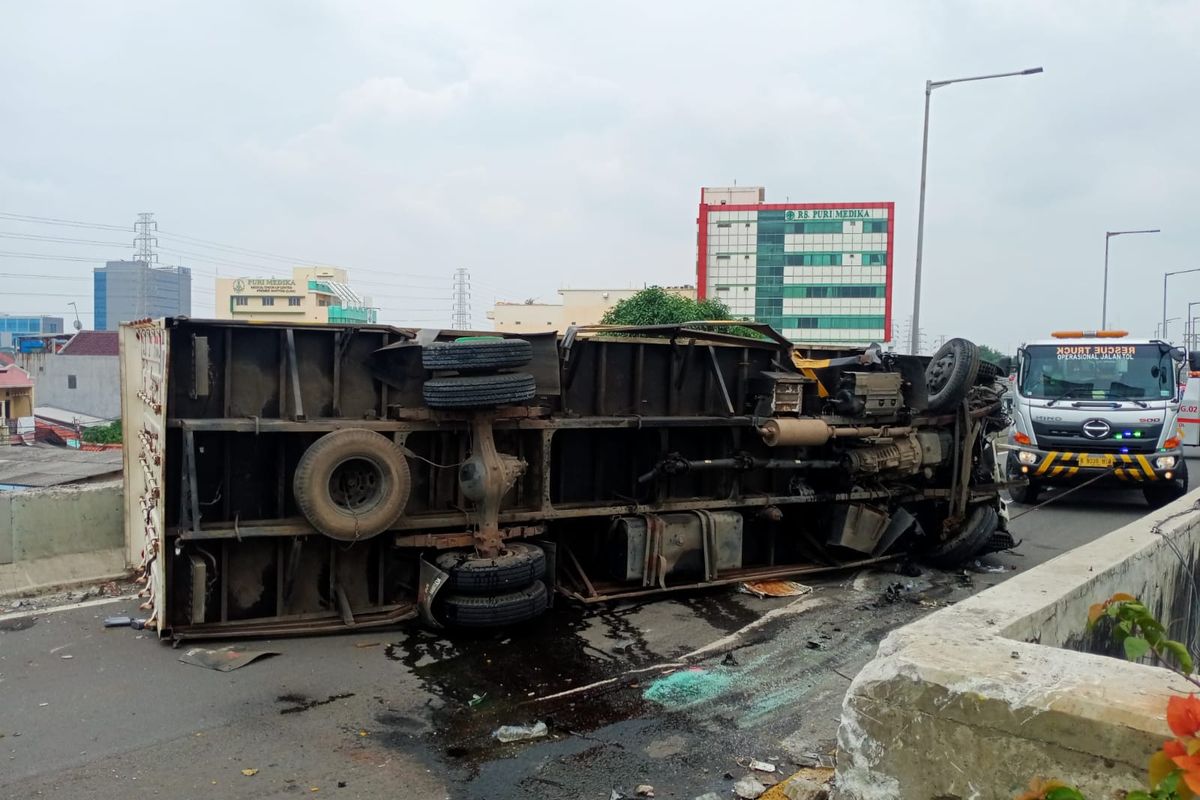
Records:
x=36, y=238
x=73, y=223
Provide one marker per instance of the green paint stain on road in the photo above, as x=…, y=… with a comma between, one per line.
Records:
x=687, y=687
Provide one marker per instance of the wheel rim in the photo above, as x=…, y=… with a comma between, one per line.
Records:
x=939, y=372
x=357, y=485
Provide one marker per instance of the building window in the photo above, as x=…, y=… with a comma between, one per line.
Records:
x=295, y=301
x=323, y=302
x=70, y=381
x=268, y=301
x=724, y=224
x=241, y=301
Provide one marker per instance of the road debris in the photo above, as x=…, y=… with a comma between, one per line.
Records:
x=810, y=783
x=362, y=645
x=249, y=773
x=758, y=766
x=224, y=659
x=66, y=657
x=749, y=788
x=118, y=622
x=644, y=790
x=519, y=733
x=476, y=699
x=687, y=687
x=774, y=588
x=979, y=566
x=708, y=796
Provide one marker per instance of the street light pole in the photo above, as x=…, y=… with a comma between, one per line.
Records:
x=1104, y=306
x=1165, y=276
x=1189, y=334
x=929, y=87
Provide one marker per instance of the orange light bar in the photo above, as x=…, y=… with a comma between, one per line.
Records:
x=1021, y=438
x=1089, y=334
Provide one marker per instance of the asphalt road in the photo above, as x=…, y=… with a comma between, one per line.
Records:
x=87, y=712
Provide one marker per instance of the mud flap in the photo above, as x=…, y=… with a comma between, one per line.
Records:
x=430, y=581
x=901, y=523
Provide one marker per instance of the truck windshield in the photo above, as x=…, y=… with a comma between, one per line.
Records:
x=1097, y=372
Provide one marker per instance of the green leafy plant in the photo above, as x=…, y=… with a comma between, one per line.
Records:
x=103, y=434
x=656, y=306
x=1174, y=770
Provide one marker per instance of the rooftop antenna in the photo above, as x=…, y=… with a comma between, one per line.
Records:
x=76, y=324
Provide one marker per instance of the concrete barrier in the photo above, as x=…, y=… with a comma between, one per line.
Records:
x=976, y=699
x=61, y=520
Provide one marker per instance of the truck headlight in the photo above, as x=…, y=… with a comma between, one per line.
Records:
x=1026, y=457
x=1164, y=462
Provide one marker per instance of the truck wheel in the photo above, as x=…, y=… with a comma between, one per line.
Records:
x=974, y=537
x=352, y=484
x=951, y=373
x=1028, y=494
x=1164, y=492
x=480, y=353
x=490, y=611
x=479, y=391
x=519, y=565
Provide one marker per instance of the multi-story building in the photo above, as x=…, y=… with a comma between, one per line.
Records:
x=312, y=294
x=128, y=290
x=13, y=326
x=578, y=307
x=817, y=272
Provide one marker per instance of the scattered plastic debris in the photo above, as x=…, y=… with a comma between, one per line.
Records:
x=118, y=622
x=476, y=699
x=362, y=645
x=249, y=773
x=519, y=733
x=66, y=657
x=644, y=790
x=979, y=566
x=749, y=788
x=730, y=660
x=224, y=659
x=615, y=795
x=138, y=624
x=813, y=644
x=708, y=796
x=761, y=766
x=774, y=588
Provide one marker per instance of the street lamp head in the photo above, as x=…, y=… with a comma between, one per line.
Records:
x=1031, y=71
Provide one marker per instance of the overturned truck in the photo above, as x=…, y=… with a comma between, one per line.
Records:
x=305, y=478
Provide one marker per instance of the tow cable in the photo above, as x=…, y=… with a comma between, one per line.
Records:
x=1058, y=497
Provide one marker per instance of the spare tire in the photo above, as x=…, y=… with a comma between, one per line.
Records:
x=519, y=565
x=479, y=391
x=490, y=611
x=352, y=484
x=951, y=373
x=480, y=353
x=975, y=535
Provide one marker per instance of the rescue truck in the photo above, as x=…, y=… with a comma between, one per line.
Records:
x=1101, y=407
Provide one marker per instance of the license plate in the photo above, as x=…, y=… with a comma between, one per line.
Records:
x=1096, y=461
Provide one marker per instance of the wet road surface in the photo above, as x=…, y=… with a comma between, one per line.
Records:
x=410, y=714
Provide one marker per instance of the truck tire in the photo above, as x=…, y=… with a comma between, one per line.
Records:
x=519, y=565
x=479, y=391
x=951, y=373
x=974, y=537
x=1164, y=492
x=482, y=353
x=352, y=484
x=491, y=611
x=1027, y=495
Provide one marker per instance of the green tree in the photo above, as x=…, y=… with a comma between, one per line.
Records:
x=656, y=306
x=990, y=354
x=103, y=434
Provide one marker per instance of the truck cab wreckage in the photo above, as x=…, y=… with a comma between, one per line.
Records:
x=306, y=478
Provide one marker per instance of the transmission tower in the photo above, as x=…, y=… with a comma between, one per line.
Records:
x=144, y=244
x=460, y=317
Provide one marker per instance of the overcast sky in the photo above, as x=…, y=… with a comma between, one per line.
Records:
x=548, y=144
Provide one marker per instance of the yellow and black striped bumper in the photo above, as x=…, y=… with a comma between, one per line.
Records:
x=1058, y=466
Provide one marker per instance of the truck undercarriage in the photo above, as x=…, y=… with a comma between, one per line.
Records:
x=297, y=479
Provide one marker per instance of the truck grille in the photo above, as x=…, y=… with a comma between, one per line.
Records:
x=1069, y=436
